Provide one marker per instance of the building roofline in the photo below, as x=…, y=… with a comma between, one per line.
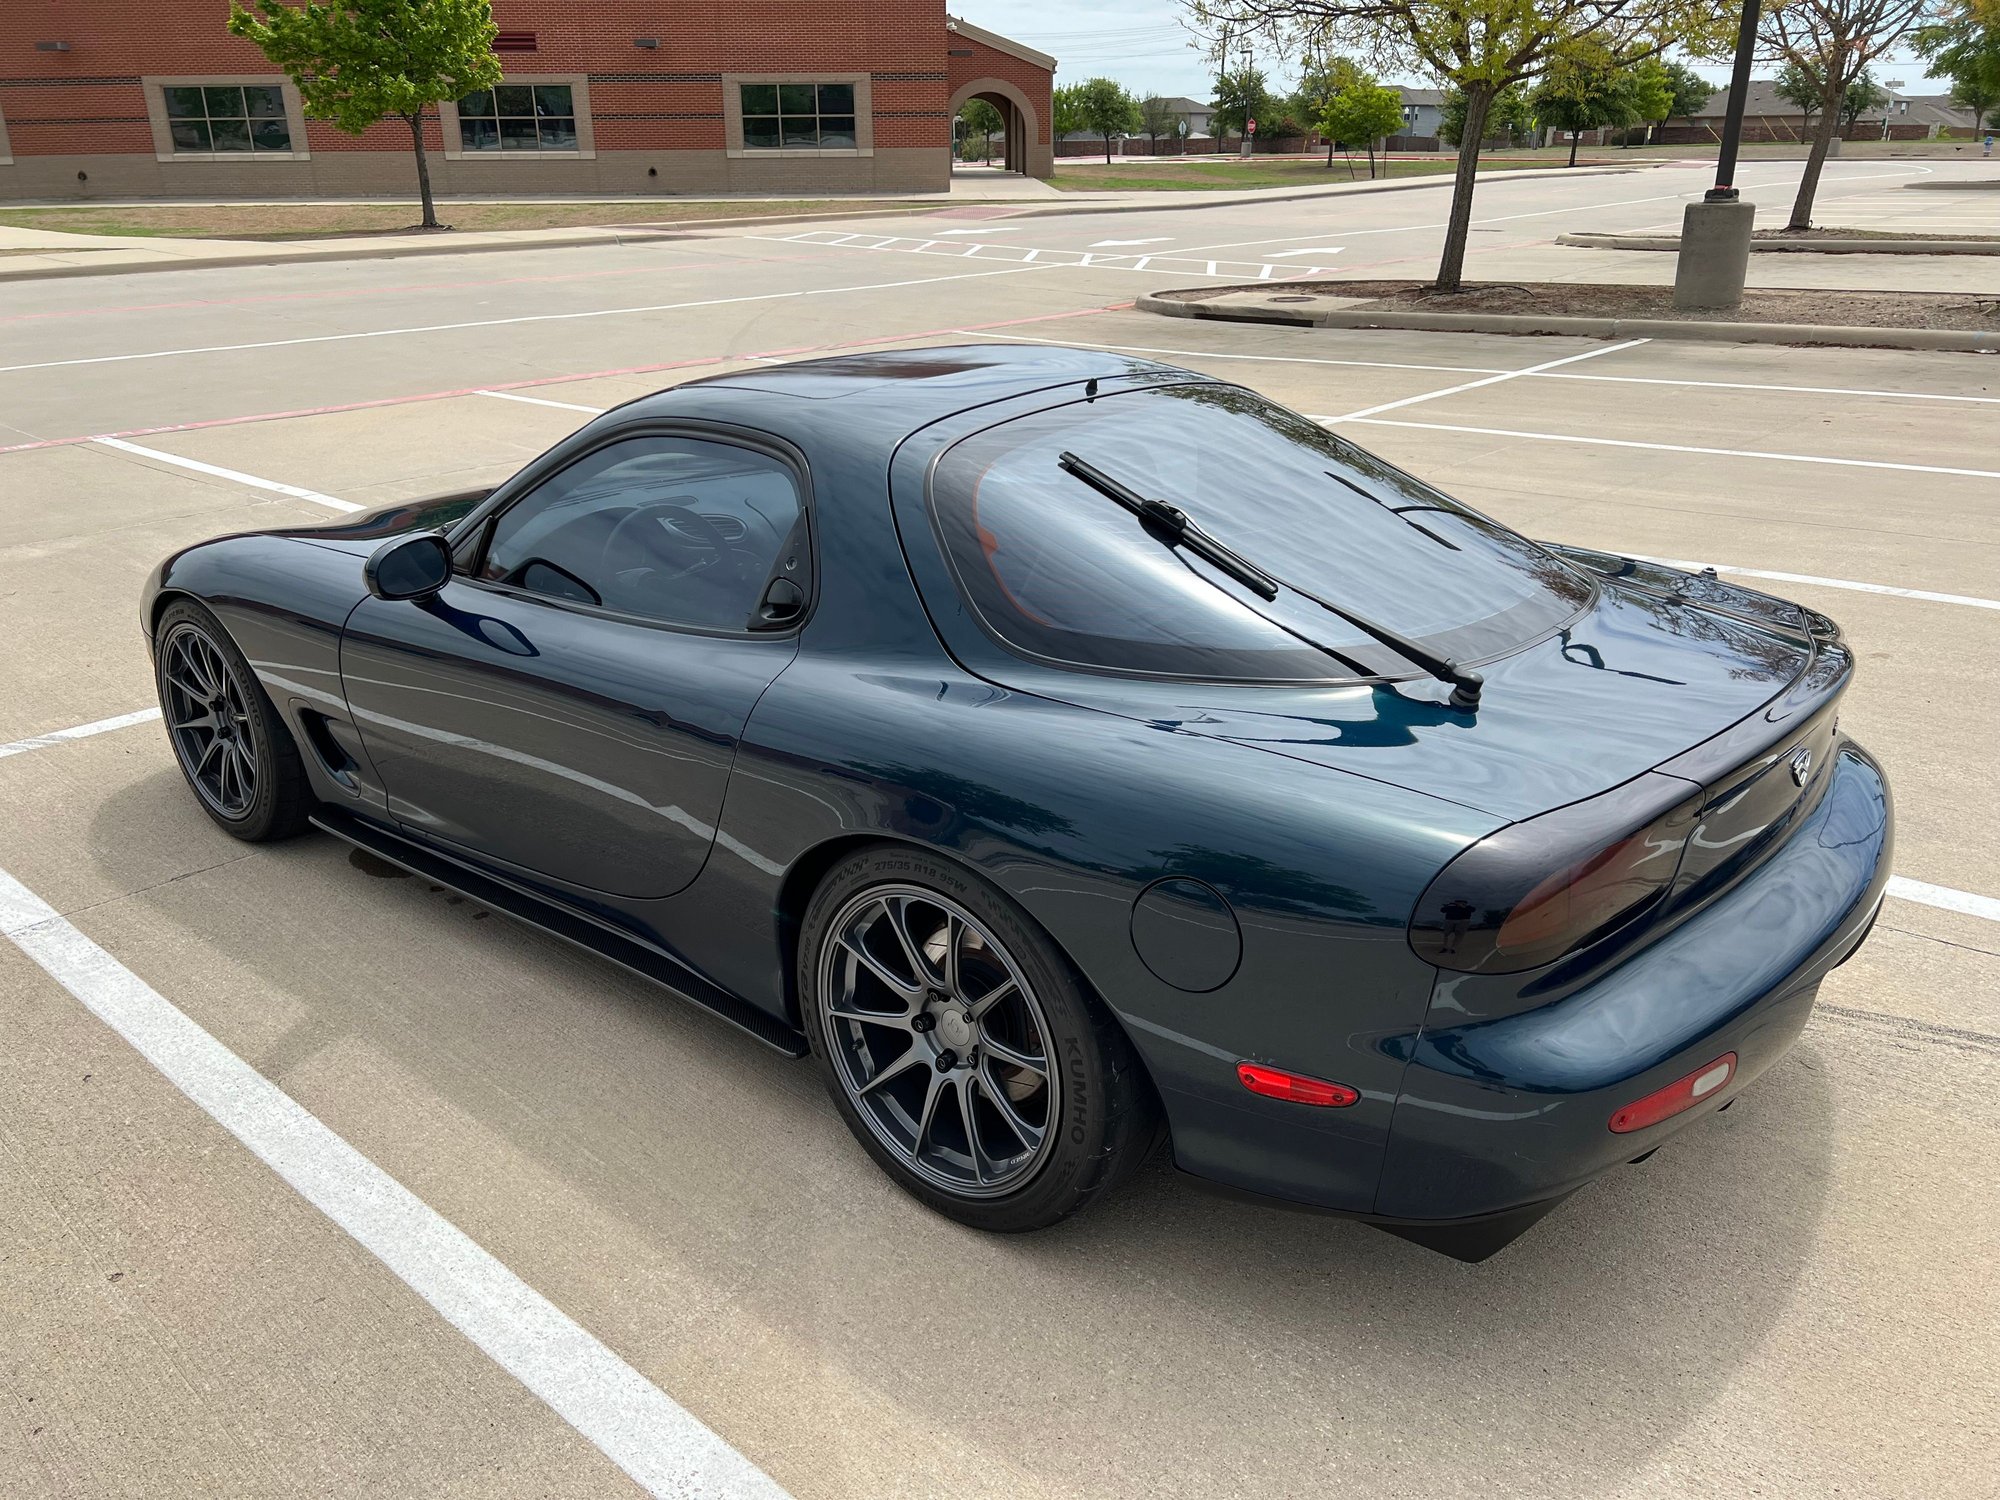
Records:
x=998, y=42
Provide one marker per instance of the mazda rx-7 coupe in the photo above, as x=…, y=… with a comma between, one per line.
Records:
x=1070, y=754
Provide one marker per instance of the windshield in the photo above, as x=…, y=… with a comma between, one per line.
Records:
x=1054, y=569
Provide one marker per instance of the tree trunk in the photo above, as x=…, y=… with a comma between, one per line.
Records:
x=1829, y=126
x=1107, y=148
x=1330, y=144
x=423, y=169
x=1371, y=158
x=1574, y=137
x=1451, y=265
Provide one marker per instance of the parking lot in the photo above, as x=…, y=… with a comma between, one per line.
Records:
x=1794, y=1298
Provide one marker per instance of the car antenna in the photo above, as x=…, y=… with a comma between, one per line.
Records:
x=1090, y=389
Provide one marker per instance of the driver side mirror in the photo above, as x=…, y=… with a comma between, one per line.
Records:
x=409, y=567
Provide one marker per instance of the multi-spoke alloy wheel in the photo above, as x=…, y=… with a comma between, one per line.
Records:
x=961, y=1046
x=232, y=746
x=208, y=715
x=939, y=1039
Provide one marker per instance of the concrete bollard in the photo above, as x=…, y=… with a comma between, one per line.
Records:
x=1714, y=255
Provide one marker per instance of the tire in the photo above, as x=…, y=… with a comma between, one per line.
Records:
x=248, y=776
x=892, y=1026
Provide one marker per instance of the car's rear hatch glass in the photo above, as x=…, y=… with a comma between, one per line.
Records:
x=1057, y=572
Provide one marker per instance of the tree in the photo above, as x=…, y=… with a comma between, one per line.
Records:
x=1510, y=113
x=1363, y=111
x=1478, y=47
x=1158, y=117
x=1967, y=52
x=1583, y=89
x=1104, y=108
x=1650, y=94
x=1067, y=107
x=358, y=62
x=982, y=119
x=1830, y=44
x=1859, y=97
x=1689, y=90
x=1240, y=97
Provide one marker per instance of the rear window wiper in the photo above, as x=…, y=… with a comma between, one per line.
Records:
x=1174, y=527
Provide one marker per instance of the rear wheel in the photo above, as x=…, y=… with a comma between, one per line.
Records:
x=960, y=1047
x=236, y=753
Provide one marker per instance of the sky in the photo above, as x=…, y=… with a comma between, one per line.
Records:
x=1143, y=45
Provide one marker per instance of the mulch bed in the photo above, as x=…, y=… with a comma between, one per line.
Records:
x=1579, y=300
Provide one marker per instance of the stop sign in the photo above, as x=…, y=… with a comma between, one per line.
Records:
x=1251, y=126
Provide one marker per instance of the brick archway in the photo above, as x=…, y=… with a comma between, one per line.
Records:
x=1027, y=152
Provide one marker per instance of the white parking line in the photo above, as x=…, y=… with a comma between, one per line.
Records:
x=78, y=732
x=234, y=476
x=1472, y=385
x=664, y=1447
x=564, y=317
x=1377, y=364
x=1944, y=896
x=1598, y=442
x=541, y=400
x=1971, y=600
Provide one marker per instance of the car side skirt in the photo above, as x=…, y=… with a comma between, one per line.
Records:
x=560, y=922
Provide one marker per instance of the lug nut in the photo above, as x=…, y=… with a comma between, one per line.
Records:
x=922, y=1021
x=947, y=1060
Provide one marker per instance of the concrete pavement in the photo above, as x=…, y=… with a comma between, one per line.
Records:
x=1792, y=1299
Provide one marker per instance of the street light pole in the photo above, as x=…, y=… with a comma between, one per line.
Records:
x=1715, y=233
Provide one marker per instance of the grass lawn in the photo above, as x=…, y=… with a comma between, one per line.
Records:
x=1183, y=174
x=305, y=221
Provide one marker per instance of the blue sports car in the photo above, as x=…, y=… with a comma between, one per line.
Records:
x=1072, y=753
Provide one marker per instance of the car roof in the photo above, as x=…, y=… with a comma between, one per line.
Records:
x=897, y=390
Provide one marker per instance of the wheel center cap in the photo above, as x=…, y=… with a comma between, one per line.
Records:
x=954, y=1028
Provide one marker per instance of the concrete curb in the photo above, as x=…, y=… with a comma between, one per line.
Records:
x=1600, y=328
x=1799, y=247
x=1082, y=205
x=258, y=253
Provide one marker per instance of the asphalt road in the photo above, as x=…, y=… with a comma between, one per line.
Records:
x=1795, y=1298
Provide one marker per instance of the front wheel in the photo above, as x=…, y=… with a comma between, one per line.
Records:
x=236, y=753
x=960, y=1047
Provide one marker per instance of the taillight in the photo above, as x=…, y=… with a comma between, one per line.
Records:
x=1544, y=887
x=1296, y=1087
x=1704, y=1082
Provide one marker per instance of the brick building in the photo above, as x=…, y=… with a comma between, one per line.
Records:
x=134, y=98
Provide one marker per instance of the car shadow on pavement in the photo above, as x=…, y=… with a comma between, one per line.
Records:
x=1180, y=1342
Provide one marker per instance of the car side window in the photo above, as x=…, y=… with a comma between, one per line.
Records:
x=676, y=529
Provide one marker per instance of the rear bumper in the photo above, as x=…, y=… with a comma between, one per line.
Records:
x=1501, y=1116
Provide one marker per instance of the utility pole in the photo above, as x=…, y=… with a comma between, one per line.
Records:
x=1715, y=233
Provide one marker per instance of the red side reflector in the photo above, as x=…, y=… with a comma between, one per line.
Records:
x=1295, y=1087
x=1704, y=1083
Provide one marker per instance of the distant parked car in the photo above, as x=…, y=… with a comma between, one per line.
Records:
x=1065, y=749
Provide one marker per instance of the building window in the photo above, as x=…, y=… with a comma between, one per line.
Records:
x=245, y=117
x=798, y=116
x=518, y=117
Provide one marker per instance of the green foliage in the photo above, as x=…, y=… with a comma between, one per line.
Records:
x=1157, y=118
x=1650, y=91
x=1511, y=115
x=1584, y=89
x=1240, y=97
x=1966, y=52
x=1801, y=85
x=356, y=62
x=1691, y=91
x=979, y=118
x=1103, y=107
x=1067, y=106
x=1480, y=50
x=1363, y=113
